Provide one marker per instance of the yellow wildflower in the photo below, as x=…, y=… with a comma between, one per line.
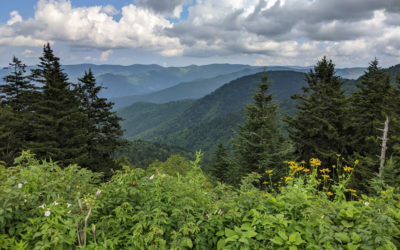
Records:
x=356, y=162
x=314, y=162
x=303, y=162
x=268, y=171
x=325, y=176
x=265, y=182
x=288, y=178
x=329, y=193
x=299, y=168
x=266, y=195
x=352, y=190
x=347, y=169
x=383, y=191
x=78, y=187
x=338, y=155
x=306, y=170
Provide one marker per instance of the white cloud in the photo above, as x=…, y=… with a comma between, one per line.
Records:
x=105, y=54
x=15, y=18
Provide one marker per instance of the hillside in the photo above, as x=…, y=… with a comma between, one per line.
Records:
x=141, y=116
x=215, y=116
x=186, y=90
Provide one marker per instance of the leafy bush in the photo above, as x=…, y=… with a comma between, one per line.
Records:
x=43, y=206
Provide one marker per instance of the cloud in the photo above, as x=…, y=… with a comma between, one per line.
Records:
x=104, y=55
x=92, y=27
x=15, y=18
x=166, y=7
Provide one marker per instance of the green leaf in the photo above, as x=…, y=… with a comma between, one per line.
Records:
x=277, y=240
x=220, y=233
x=283, y=235
x=292, y=237
x=342, y=237
x=347, y=224
x=221, y=244
x=249, y=234
x=355, y=237
x=229, y=232
x=292, y=248
x=189, y=243
x=246, y=226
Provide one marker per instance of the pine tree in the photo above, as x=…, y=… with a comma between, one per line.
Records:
x=11, y=140
x=59, y=131
x=375, y=100
x=318, y=129
x=220, y=164
x=102, y=126
x=259, y=144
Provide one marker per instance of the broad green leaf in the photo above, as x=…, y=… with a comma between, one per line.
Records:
x=342, y=237
x=355, y=237
x=229, y=232
x=283, y=235
x=277, y=240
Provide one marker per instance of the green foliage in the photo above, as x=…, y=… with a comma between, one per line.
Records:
x=318, y=127
x=221, y=164
x=45, y=206
x=259, y=145
x=142, y=153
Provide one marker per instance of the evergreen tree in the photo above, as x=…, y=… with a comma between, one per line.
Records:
x=102, y=125
x=18, y=91
x=259, y=145
x=220, y=164
x=58, y=123
x=375, y=100
x=16, y=97
x=318, y=129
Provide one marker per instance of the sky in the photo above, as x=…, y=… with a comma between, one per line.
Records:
x=183, y=32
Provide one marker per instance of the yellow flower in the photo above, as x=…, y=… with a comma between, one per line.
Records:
x=266, y=195
x=314, y=162
x=329, y=193
x=306, y=170
x=265, y=182
x=325, y=176
x=338, y=155
x=356, y=162
x=268, y=171
x=78, y=187
x=347, y=169
x=288, y=178
x=299, y=168
x=325, y=170
x=383, y=191
x=303, y=162
x=352, y=190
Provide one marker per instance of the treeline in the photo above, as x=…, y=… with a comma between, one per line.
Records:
x=55, y=119
x=327, y=125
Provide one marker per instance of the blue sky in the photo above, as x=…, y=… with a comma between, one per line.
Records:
x=183, y=32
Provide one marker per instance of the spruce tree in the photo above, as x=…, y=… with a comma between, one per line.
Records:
x=259, y=144
x=102, y=125
x=375, y=100
x=18, y=91
x=16, y=97
x=59, y=131
x=220, y=164
x=318, y=129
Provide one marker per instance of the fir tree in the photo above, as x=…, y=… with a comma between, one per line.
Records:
x=102, y=126
x=220, y=164
x=59, y=125
x=259, y=145
x=318, y=129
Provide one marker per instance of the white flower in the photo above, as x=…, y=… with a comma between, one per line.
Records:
x=19, y=185
x=55, y=203
x=98, y=193
x=47, y=213
x=69, y=211
x=151, y=177
x=366, y=203
x=25, y=200
x=42, y=206
x=69, y=204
